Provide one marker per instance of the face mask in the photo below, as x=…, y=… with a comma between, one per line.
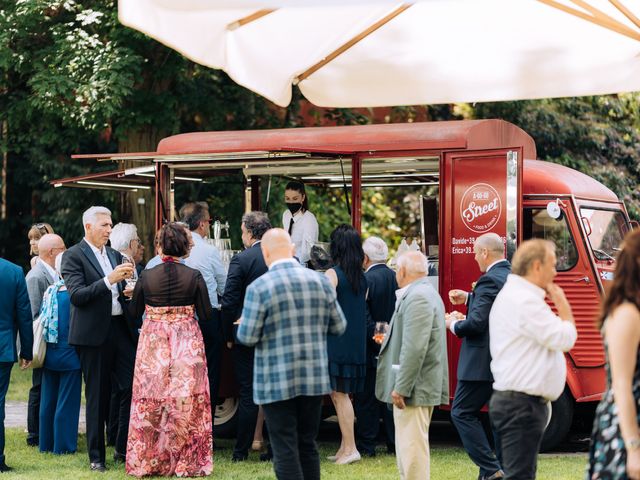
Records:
x=294, y=207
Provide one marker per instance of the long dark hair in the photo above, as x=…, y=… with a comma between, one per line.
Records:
x=346, y=251
x=626, y=280
x=298, y=187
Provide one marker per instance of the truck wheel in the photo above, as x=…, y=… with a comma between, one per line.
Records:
x=561, y=419
x=226, y=418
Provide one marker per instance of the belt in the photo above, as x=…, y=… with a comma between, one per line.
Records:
x=514, y=394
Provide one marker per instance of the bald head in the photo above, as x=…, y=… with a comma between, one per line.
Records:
x=49, y=246
x=488, y=249
x=276, y=245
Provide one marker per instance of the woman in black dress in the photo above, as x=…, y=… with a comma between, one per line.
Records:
x=615, y=442
x=347, y=353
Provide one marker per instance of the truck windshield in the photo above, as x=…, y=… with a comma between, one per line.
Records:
x=538, y=224
x=608, y=228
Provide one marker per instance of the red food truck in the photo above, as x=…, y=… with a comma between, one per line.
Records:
x=486, y=179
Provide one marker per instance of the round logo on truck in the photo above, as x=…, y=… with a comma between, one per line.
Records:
x=480, y=207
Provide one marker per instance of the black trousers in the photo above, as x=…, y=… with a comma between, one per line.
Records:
x=247, y=410
x=293, y=427
x=470, y=397
x=115, y=356
x=213, y=343
x=369, y=410
x=33, y=407
x=519, y=421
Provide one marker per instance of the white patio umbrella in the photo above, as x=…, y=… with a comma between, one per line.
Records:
x=355, y=53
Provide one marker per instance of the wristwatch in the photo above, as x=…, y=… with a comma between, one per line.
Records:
x=632, y=444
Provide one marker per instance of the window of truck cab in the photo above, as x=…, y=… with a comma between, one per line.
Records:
x=537, y=223
x=608, y=228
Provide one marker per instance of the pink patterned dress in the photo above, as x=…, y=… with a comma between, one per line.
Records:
x=170, y=425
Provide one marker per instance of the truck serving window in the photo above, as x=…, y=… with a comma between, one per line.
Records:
x=608, y=228
x=538, y=224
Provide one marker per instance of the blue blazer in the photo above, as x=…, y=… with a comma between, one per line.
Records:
x=15, y=314
x=474, y=363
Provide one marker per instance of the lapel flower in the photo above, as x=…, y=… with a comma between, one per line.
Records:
x=473, y=286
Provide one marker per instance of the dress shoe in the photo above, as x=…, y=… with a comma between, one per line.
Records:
x=98, y=467
x=239, y=458
x=347, y=459
x=33, y=441
x=119, y=457
x=332, y=458
x=266, y=457
x=5, y=468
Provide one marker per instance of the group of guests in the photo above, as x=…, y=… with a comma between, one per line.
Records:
x=150, y=350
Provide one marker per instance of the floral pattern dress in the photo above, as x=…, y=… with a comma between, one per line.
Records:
x=607, y=453
x=170, y=427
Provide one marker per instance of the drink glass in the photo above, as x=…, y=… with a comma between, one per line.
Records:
x=380, y=331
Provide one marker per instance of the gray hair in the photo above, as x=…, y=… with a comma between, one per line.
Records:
x=415, y=263
x=256, y=223
x=58, y=263
x=122, y=234
x=91, y=214
x=376, y=249
x=530, y=251
x=491, y=241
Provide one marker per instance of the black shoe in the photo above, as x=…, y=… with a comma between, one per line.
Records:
x=98, y=467
x=33, y=441
x=239, y=458
x=119, y=457
x=266, y=457
x=5, y=468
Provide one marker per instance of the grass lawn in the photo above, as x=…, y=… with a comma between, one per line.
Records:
x=20, y=385
x=447, y=463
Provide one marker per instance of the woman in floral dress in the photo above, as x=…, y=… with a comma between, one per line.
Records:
x=615, y=441
x=170, y=426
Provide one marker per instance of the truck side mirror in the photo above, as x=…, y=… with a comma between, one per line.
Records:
x=553, y=209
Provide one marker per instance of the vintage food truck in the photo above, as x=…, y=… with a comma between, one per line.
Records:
x=482, y=175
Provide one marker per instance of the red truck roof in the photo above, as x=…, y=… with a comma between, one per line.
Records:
x=545, y=178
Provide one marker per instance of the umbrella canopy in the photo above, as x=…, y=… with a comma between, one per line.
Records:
x=357, y=53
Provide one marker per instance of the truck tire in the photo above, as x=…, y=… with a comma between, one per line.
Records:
x=226, y=419
x=561, y=419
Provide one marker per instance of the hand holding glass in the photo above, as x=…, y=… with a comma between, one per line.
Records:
x=380, y=332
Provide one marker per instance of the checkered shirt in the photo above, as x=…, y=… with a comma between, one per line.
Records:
x=287, y=315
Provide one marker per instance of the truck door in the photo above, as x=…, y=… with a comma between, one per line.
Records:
x=480, y=193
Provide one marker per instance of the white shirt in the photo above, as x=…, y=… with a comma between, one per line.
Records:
x=51, y=271
x=526, y=340
x=107, y=268
x=283, y=260
x=304, y=233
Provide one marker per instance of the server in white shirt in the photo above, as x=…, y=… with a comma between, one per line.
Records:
x=298, y=221
x=526, y=340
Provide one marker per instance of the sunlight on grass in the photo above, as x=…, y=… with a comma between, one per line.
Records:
x=448, y=463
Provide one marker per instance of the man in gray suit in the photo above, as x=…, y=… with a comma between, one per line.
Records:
x=417, y=334
x=39, y=278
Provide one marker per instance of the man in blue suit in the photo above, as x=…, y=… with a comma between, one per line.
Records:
x=15, y=312
x=475, y=382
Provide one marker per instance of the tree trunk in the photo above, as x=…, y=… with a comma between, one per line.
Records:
x=138, y=207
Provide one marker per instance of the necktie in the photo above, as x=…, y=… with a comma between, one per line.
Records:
x=291, y=226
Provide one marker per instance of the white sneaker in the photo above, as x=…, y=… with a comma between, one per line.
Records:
x=347, y=459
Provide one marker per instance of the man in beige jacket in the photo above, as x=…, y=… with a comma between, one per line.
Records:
x=412, y=367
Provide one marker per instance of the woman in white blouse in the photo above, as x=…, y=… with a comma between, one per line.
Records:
x=299, y=221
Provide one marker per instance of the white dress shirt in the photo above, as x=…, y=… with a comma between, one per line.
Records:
x=526, y=340
x=205, y=258
x=107, y=268
x=52, y=272
x=304, y=233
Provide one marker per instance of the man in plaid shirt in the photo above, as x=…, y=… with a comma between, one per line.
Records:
x=287, y=315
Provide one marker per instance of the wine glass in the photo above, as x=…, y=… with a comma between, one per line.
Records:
x=131, y=280
x=380, y=331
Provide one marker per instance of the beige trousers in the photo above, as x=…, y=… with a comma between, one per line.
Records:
x=412, y=441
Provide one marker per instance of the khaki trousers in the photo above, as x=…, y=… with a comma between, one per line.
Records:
x=412, y=441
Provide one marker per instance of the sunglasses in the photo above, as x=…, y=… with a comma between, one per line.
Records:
x=41, y=227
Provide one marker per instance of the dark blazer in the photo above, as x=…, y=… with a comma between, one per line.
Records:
x=381, y=302
x=244, y=268
x=475, y=358
x=15, y=314
x=90, y=297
